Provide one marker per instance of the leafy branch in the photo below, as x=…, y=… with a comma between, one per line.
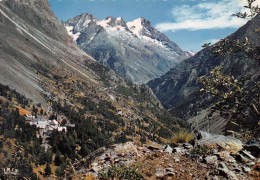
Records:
x=232, y=47
x=236, y=104
x=253, y=10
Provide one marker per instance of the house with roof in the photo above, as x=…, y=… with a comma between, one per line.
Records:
x=53, y=123
x=62, y=129
x=29, y=117
x=45, y=127
x=68, y=124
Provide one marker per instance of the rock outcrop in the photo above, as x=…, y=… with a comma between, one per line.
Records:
x=208, y=160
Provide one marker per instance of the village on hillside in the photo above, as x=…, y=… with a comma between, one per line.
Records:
x=46, y=126
x=46, y=122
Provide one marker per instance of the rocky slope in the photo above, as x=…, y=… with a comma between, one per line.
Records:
x=178, y=89
x=133, y=49
x=216, y=157
x=31, y=37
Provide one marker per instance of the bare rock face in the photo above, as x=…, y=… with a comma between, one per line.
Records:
x=225, y=156
x=211, y=159
x=226, y=142
x=168, y=149
x=226, y=172
x=154, y=146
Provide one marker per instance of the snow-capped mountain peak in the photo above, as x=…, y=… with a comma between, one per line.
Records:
x=134, y=49
x=104, y=23
x=117, y=22
x=70, y=32
x=113, y=25
x=137, y=29
x=140, y=27
x=136, y=26
x=82, y=21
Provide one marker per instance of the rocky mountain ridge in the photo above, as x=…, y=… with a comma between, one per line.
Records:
x=178, y=89
x=133, y=49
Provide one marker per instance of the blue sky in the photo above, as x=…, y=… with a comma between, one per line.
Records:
x=188, y=23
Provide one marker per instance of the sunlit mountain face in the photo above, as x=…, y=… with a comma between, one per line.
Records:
x=133, y=49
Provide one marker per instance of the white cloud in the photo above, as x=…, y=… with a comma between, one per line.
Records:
x=205, y=15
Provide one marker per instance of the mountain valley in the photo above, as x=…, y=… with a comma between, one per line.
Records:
x=179, y=89
x=109, y=99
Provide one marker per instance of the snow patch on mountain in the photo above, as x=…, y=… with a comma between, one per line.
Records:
x=190, y=53
x=115, y=27
x=137, y=64
x=135, y=26
x=91, y=39
x=86, y=23
x=104, y=23
x=159, y=43
x=70, y=32
x=114, y=30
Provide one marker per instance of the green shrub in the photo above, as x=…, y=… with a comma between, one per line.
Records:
x=131, y=173
x=203, y=150
x=182, y=137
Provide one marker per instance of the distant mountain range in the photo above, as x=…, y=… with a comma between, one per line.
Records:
x=133, y=49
